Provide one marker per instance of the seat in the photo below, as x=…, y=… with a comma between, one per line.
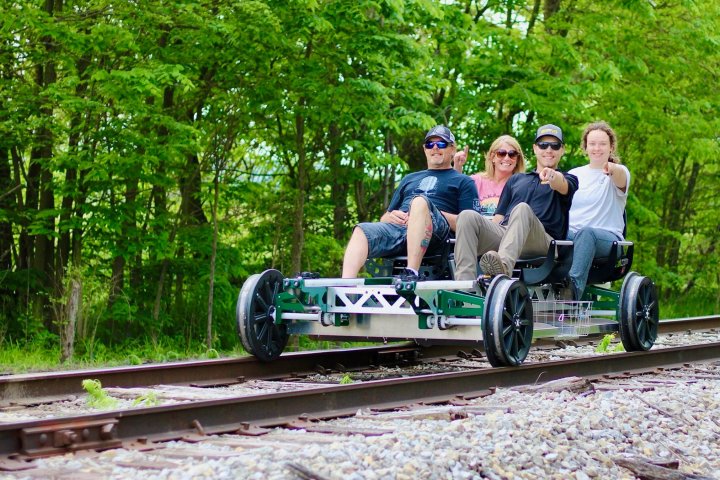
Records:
x=613, y=267
x=616, y=265
x=552, y=267
x=439, y=266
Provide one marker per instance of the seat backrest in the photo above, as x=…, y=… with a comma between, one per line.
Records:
x=433, y=267
x=615, y=266
x=551, y=268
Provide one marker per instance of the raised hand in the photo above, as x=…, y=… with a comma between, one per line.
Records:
x=460, y=158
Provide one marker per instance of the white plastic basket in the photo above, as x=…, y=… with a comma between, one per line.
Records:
x=572, y=319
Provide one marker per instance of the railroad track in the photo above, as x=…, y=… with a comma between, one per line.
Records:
x=250, y=415
x=207, y=373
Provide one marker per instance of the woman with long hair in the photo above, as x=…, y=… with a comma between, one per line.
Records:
x=504, y=158
x=597, y=210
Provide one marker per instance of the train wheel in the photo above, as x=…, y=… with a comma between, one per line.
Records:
x=507, y=322
x=256, y=313
x=639, y=313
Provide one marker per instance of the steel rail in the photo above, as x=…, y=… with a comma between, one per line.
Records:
x=707, y=322
x=110, y=429
x=209, y=372
x=48, y=385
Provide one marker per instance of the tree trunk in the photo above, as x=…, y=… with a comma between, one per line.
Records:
x=6, y=203
x=551, y=8
x=191, y=187
x=213, y=255
x=72, y=202
x=21, y=262
x=42, y=246
x=340, y=184
x=298, y=234
x=72, y=310
x=127, y=235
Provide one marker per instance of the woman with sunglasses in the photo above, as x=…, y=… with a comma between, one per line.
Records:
x=504, y=158
x=596, y=213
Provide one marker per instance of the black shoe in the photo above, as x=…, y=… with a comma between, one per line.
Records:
x=408, y=275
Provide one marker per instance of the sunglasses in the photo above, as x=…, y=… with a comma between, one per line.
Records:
x=553, y=145
x=510, y=153
x=440, y=144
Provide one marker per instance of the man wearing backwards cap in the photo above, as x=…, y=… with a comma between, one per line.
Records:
x=422, y=213
x=532, y=211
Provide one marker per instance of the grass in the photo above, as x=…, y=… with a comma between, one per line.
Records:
x=43, y=352
x=695, y=304
x=43, y=355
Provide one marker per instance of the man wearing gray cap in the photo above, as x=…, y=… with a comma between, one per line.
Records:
x=532, y=211
x=422, y=213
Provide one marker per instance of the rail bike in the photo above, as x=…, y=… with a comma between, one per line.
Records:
x=503, y=314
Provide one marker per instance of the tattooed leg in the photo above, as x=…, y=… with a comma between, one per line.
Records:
x=425, y=242
x=420, y=230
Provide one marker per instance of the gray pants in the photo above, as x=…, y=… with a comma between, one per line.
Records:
x=524, y=235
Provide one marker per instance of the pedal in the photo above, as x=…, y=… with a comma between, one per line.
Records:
x=310, y=275
x=483, y=283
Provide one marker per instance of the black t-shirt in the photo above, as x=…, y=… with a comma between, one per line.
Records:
x=550, y=207
x=448, y=190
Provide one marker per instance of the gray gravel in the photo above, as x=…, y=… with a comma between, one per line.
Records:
x=510, y=434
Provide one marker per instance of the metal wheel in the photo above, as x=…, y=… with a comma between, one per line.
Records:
x=507, y=322
x=256, y=314
x=639, y=313
x=487, y=331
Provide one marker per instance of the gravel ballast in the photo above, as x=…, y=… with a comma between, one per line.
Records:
x=579, y=433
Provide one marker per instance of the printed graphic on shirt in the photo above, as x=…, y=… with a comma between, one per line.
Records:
x=427, y=185
x=488, y=206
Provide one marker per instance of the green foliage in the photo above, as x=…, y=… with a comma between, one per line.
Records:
x=97, y=397
x=346, y=380
x=604, y=344
x=148, y=399
x=116, y=149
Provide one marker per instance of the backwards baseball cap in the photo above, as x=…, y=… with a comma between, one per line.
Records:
x=441, y=131
x=549, y=129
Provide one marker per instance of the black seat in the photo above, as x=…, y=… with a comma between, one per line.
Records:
x=613, y=267
x=438, y=266
x=616, y=265
x=550, y=268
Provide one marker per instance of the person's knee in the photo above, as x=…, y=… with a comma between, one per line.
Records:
x=466, y=217
x=521, y=210
x=419, y=206
x=358, y=235
x=584, y=235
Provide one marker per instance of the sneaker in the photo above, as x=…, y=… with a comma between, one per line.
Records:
x=492, y=264
x=409, y=276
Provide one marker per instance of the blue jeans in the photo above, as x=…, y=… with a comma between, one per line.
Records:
x=390, y=240
x=588, y=243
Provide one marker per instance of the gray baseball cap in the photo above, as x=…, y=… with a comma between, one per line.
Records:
x=549, y=129
x=441, y=131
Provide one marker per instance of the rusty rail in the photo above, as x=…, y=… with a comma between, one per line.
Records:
x=50, y=385
x=246, y=414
